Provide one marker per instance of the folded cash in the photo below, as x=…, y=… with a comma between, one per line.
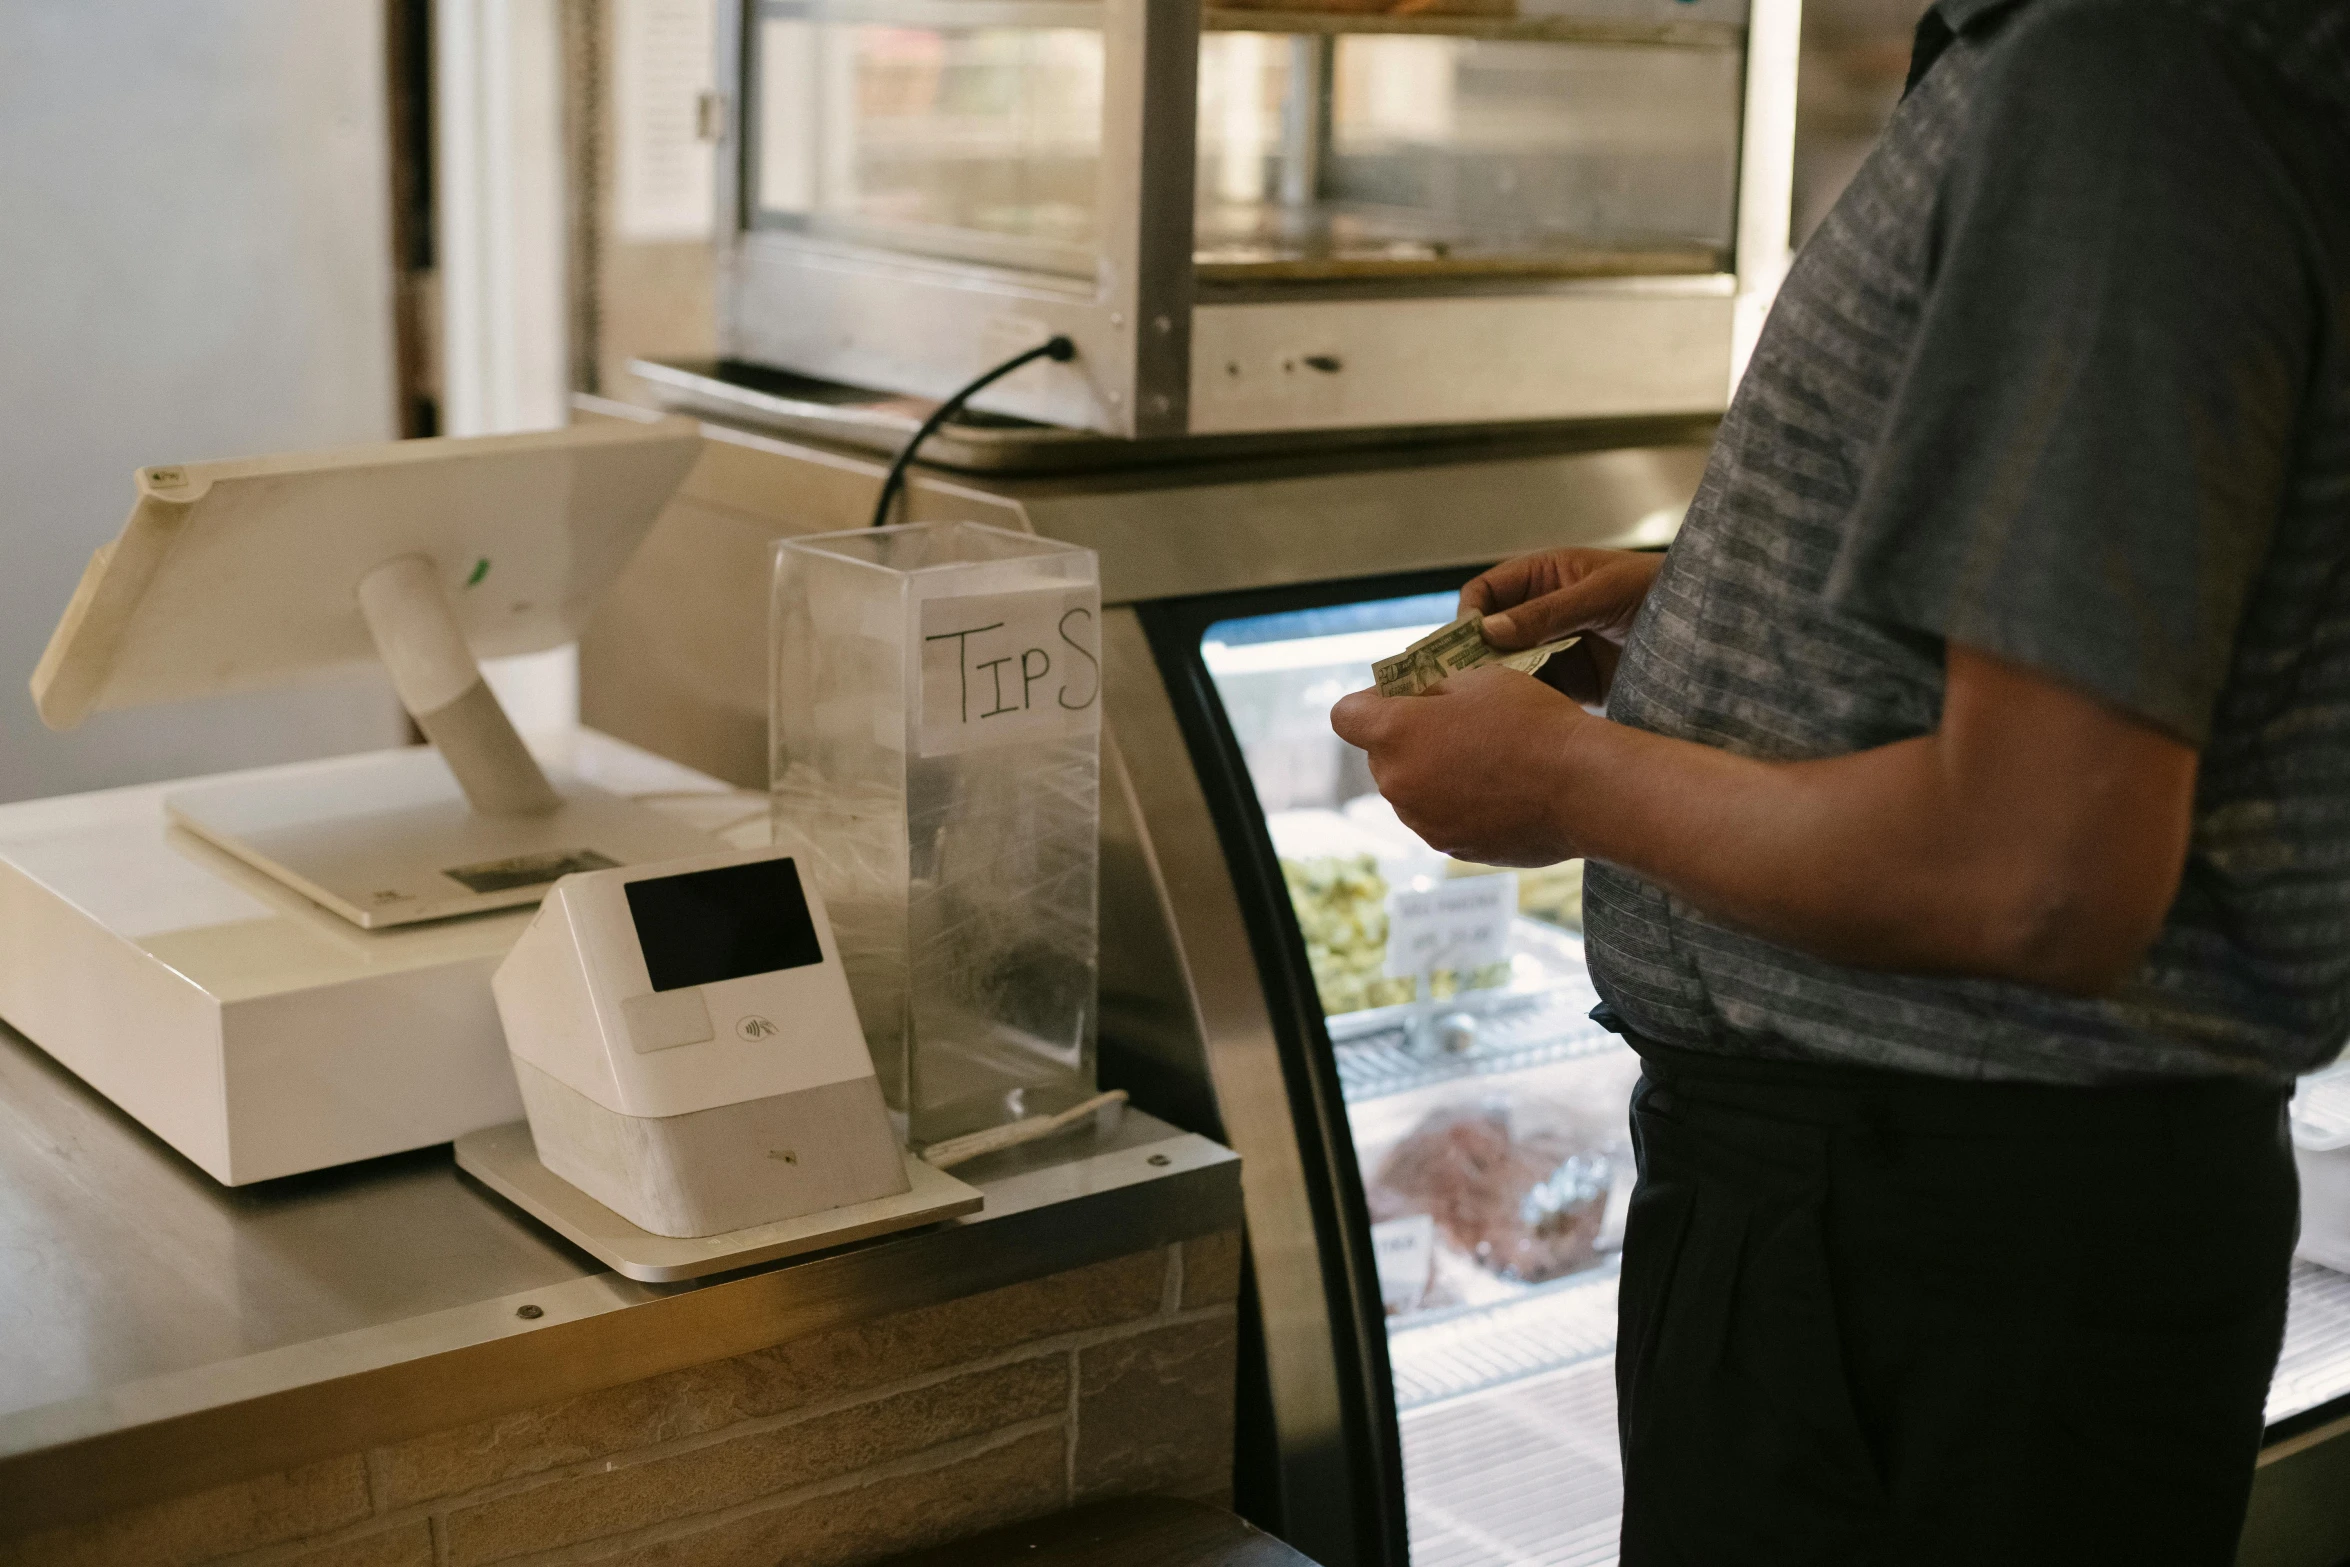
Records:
x=1450, y=649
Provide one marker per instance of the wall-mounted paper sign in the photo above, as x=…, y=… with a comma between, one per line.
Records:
x=665, y=172
x=1458, y=925
x=1005, y=667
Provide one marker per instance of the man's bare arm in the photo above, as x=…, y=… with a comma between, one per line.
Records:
x=2037, y=835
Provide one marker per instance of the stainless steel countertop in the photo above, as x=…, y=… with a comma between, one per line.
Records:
x=160, y=1332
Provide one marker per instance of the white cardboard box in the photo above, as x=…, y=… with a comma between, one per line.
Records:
x=252, y=1030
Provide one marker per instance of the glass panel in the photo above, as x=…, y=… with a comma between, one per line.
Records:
x=1376, y=155
x=1322, y=156
x=982, y=143
x=1488, y=1112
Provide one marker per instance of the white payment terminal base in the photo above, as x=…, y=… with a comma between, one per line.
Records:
x=396, y=842
x=504, y=1159
x=253, y=1030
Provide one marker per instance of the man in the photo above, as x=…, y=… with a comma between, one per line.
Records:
x=1969, y=826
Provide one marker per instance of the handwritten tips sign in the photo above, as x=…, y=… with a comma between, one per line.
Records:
x=1459, y=924
x=1004, y=667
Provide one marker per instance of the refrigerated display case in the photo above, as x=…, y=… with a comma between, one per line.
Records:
x=1471, y=1117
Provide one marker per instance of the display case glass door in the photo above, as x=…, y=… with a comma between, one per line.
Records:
x=1487, y=1111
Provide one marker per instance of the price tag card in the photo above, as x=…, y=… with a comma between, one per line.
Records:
x=1004, y=667
x=1404, y=1252
x=1458, y=925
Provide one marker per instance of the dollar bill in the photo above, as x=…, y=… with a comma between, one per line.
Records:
x=1394, y=675
x=1449, y=650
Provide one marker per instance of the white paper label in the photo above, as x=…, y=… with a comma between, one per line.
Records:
x=1404, y=1252
x=665, y=174
x=1459, y=924
x=1004, y=667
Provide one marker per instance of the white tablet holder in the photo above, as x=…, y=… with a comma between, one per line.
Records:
x=241, y=575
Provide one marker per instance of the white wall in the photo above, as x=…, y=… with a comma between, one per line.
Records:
x=499, y=228
x=195, y=261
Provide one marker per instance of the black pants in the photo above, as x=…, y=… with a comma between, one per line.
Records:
x=1869, y=1317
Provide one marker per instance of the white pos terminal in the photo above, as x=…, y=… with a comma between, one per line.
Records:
x=687, y=1049
x=698, y=1087
x=288, y=968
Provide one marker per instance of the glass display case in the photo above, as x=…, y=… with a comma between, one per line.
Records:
x=1486, y=1111
x=1477, y=1152
x=1323, y=214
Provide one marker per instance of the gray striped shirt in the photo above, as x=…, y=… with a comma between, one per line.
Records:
x=2065, y=376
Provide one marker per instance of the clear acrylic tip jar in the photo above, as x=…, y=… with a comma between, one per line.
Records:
x=936, y=763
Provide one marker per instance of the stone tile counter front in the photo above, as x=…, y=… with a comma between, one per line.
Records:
x=901, y=1393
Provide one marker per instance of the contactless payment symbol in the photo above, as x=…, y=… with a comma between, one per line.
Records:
x=756, y=1027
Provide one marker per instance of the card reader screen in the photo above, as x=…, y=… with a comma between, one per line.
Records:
x=729, y=923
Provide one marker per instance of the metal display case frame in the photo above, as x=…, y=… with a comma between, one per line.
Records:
x=1160, y=357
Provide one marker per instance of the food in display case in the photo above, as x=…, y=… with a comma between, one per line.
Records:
x=1519, y=1184
x=1552, y=894
x=1519, y=1180
x=1341, y=905
x=1345, y=871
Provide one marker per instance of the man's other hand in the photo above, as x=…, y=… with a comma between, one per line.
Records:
x=1562, y=593
x=1472, y=766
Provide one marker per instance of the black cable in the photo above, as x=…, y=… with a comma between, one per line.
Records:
x=1060, y=350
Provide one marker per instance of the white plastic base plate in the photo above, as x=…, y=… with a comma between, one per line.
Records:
x=396, y=843
x=504, y=1159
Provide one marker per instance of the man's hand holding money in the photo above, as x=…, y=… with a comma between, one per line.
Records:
x=1472, y=766
x=1453, y=650
x=1590, y=594
x=2035, y=835
x=1470, y=759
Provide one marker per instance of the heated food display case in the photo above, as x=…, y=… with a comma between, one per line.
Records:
x=1315, y=214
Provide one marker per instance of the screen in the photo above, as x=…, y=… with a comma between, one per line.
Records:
x=729, y=923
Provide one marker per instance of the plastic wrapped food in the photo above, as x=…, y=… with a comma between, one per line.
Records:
x=1341, y=904
x=1520, y=1186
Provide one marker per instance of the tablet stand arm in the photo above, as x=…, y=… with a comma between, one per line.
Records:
x=418, y=637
